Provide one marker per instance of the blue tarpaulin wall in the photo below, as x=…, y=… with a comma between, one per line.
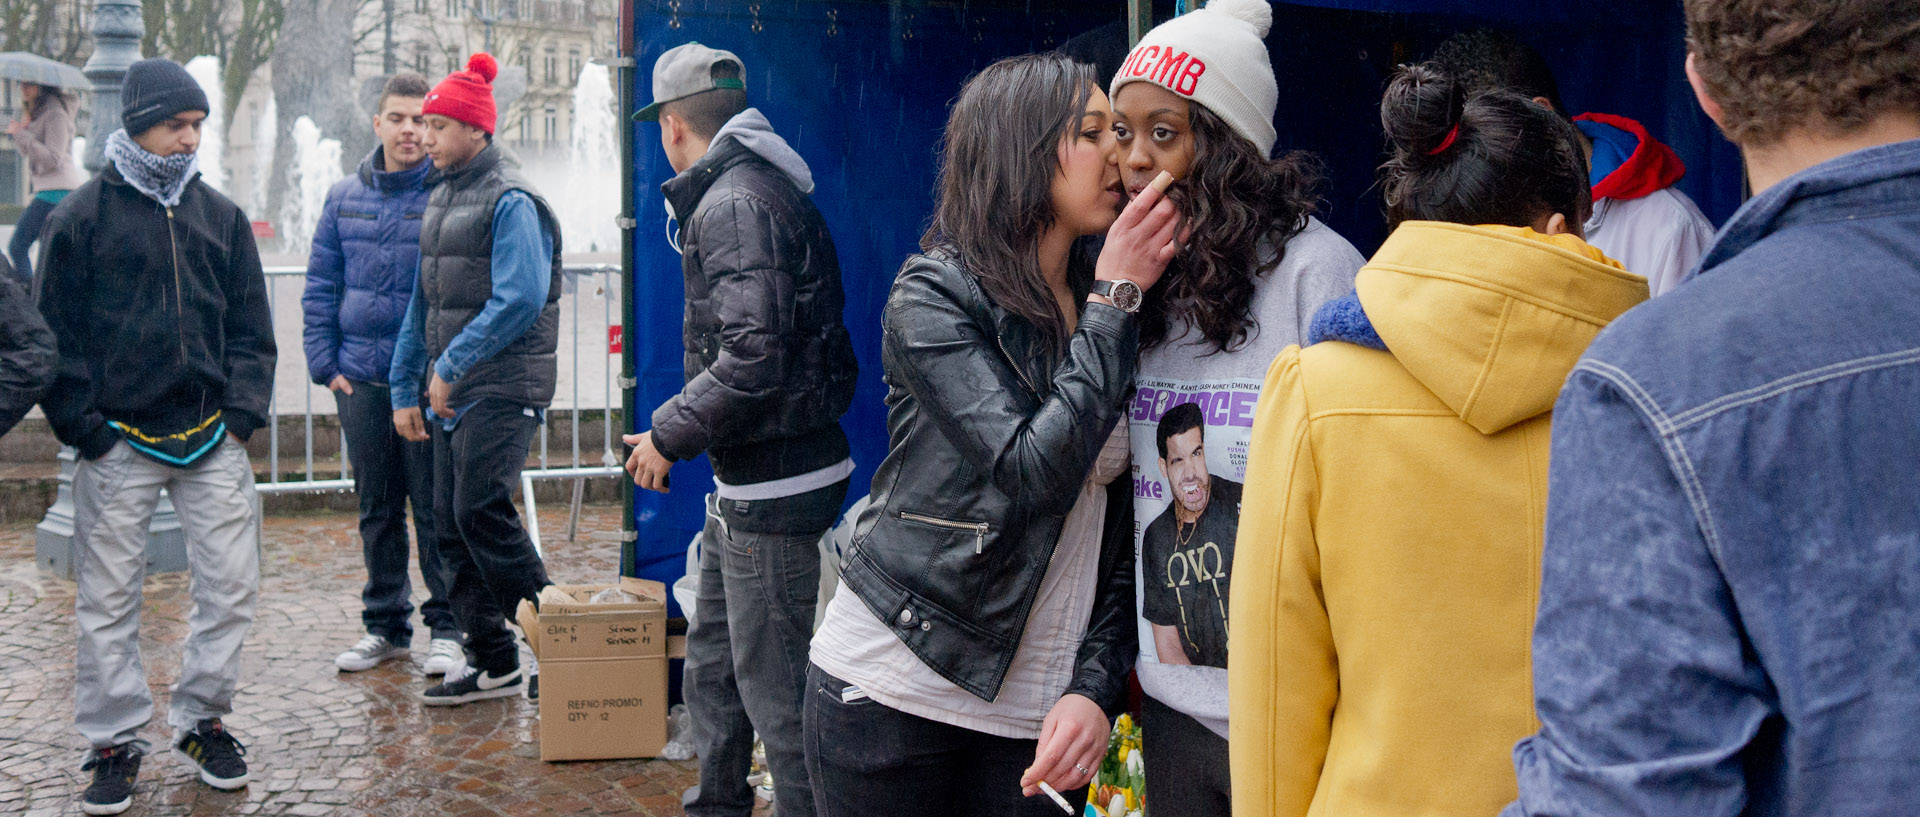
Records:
x=861, y=89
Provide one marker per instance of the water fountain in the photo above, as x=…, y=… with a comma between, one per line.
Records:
x=213, y=154
x=265, y=129
x=592, y=198
x=315, y=169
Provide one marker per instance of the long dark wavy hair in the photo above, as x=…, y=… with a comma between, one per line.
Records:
x=994, y=196
x=1244, y=208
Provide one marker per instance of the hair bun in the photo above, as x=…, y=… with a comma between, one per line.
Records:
x=482, y=63
x=1256, y=13
x=1421, y=108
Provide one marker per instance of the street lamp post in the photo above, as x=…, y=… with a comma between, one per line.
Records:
x=482, y=13
x=117, y=27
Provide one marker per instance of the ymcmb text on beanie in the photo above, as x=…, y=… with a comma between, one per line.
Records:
x=156, y=90
x=467, y=95
x=1215, y=56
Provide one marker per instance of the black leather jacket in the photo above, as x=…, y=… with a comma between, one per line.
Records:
x=769, y=365
x=990, y=440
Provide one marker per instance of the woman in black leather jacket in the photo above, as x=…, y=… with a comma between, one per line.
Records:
x=983, y=634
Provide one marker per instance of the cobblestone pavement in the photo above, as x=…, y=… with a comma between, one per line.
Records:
x=319, y=742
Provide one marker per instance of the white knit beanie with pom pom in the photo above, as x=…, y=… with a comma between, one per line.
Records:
x=1213, y=56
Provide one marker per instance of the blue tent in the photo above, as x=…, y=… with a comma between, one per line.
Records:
x=861, y=89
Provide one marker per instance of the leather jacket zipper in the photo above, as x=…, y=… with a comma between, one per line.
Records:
x=1022, y=373
x=979, y=528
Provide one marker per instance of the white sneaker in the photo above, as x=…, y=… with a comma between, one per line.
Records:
x=444, y=656
x=368, y=654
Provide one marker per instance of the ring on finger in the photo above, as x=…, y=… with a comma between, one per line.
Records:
x=1082, y=769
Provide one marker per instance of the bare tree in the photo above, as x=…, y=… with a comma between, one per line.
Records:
x=50, y=28
x=315, y=40
x=182, y=29
x=241, y=33
x=252, y=42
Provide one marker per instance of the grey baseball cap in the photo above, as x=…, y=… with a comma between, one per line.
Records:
x=687, y=70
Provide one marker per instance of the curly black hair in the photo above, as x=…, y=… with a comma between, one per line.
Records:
x=1243, y=208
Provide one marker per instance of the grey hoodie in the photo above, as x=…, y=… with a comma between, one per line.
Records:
x=752, y=130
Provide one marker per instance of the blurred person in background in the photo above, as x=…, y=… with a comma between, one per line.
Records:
x=45, y=137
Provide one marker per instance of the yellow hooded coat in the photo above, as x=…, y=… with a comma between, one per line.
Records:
x=1388, y=563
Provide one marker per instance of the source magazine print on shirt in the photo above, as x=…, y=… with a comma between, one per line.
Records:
x=1190, y=443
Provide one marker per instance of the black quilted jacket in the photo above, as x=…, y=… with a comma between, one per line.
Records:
x=769, y=366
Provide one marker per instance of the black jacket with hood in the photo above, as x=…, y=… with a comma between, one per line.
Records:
x=161, y=314
x=769, y=365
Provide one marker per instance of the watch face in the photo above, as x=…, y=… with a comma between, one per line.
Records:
x=1126, y=295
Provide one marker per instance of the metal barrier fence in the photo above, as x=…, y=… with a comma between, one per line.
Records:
x=580, y=283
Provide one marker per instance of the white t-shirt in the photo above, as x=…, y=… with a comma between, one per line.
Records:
x=853, y=645
x=1660, y=235
x=1191, y=561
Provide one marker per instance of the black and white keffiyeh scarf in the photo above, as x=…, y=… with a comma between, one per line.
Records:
x=162, y=178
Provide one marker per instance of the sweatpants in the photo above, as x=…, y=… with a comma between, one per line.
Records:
x=114, y=498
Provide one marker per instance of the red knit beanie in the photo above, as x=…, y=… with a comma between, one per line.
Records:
x=466, y=95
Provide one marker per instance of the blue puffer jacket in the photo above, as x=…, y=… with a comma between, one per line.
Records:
x=362, y=269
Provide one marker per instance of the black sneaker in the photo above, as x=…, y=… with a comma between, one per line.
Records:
x=217, y=753
x=470, y=685
x=114, y=769
x=533, y=687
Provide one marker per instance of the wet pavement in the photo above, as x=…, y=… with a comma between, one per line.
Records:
x=319, y=742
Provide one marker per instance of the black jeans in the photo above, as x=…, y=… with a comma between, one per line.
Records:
x=491, y=564
x=747, y=650
x=1186, y=763
x=25, y=232
x=388, y=472
x=871, y=761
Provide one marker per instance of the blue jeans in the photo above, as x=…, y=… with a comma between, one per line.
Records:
x=389, y=472
x=747, y=650
x=25, y=232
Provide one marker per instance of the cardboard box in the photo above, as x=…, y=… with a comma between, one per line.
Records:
x=603, y=671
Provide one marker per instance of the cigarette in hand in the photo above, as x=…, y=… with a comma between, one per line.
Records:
x=1064, y=805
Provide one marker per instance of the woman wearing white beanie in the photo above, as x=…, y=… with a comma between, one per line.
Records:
x=1196, y=98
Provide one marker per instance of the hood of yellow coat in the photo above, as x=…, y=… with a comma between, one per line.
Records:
x=1491, y=319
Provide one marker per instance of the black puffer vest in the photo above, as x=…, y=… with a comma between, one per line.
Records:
x=456, y=278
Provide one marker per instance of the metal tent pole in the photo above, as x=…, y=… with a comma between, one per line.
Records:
x=1139, y=20
x=625, y=55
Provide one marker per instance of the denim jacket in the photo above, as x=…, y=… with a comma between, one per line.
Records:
x=1730, y=609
